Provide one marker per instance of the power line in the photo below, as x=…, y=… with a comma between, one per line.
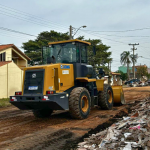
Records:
x=147, y=28
x=33, y=17
x=146, y=36
x=107, y=38
x=96, y=34
x=113, y=40
x=19, y=32
x=27, y=20
x=10, y=30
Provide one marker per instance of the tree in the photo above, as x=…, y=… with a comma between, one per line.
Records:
x=102, y=56
x=126, y=60
x=142, y=71
x=134, y=57
x=148, y=75
x=33, y=47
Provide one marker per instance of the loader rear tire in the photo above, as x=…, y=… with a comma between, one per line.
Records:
x=79, y=103
x=42, y=113
x=105, y=98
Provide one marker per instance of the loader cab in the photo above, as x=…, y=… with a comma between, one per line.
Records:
x=70, y=51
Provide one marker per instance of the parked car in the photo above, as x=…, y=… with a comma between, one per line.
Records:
x=147, y=82
x=132, y=81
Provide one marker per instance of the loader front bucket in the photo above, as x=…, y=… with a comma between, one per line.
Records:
x=118, y=94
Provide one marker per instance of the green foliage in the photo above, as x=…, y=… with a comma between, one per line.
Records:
x=126, y=58
x=4, y=102
x=142, y=71
x=123, y=75
x=148, y=75
x=33, y=47
x=102, y=56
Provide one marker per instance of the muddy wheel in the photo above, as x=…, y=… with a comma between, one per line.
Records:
x=79, y=103
x=105, y=98
x=42, y=113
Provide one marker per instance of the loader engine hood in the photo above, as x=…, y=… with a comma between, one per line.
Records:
x=34, y=82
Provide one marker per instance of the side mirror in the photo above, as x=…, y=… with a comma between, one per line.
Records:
x=94, y=50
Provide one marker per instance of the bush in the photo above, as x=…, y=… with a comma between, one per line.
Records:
x=4, y=102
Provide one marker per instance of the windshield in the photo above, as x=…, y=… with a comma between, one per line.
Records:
x=61, y=53
x=65, y=53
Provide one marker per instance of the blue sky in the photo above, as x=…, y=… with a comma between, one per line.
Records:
x=104, y=17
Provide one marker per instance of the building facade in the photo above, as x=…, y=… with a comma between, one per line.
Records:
x=12, y=62
x=124, y=69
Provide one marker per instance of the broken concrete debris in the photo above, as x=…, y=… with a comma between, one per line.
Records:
x=132, y=132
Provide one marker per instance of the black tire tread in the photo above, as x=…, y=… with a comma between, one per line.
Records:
x=102, y=98
x=74, y=109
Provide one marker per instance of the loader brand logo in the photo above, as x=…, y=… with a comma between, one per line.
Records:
x=64, y=66
x=34, y=75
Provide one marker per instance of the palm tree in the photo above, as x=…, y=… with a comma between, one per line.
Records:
x=126, y=60
x=134, y=58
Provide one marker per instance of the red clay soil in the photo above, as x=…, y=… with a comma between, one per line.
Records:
x=20, y=130
x=136, y=93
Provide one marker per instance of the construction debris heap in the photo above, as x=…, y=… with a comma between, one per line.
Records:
x=132, y=132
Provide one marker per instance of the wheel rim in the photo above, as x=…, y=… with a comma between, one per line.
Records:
x=84, y=103
x=109, y=94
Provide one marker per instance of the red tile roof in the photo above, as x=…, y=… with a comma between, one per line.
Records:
x=2, y=63
x=3, y=47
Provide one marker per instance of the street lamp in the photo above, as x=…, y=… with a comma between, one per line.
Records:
x=79, y=29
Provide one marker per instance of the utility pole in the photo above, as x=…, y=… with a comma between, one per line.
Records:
x=133, y=57
x=70, y=31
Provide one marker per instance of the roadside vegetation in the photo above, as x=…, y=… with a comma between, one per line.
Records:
x=98, y=53
x=4, y=102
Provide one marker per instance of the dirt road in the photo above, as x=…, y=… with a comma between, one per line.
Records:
x=20, y=130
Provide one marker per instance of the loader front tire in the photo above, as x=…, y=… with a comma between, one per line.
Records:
x=79, y=103
x=105, y=98
x=42, y=113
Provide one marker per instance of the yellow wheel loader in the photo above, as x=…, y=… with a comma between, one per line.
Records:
x=64, y=82
x=117, y=88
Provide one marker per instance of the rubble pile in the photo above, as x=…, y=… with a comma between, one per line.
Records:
x=132, y=132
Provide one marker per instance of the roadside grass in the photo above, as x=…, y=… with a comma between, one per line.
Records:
x=4, y=102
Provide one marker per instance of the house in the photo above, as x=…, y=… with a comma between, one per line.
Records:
x=12, y=62
x=137, y=75
x=10, y=52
